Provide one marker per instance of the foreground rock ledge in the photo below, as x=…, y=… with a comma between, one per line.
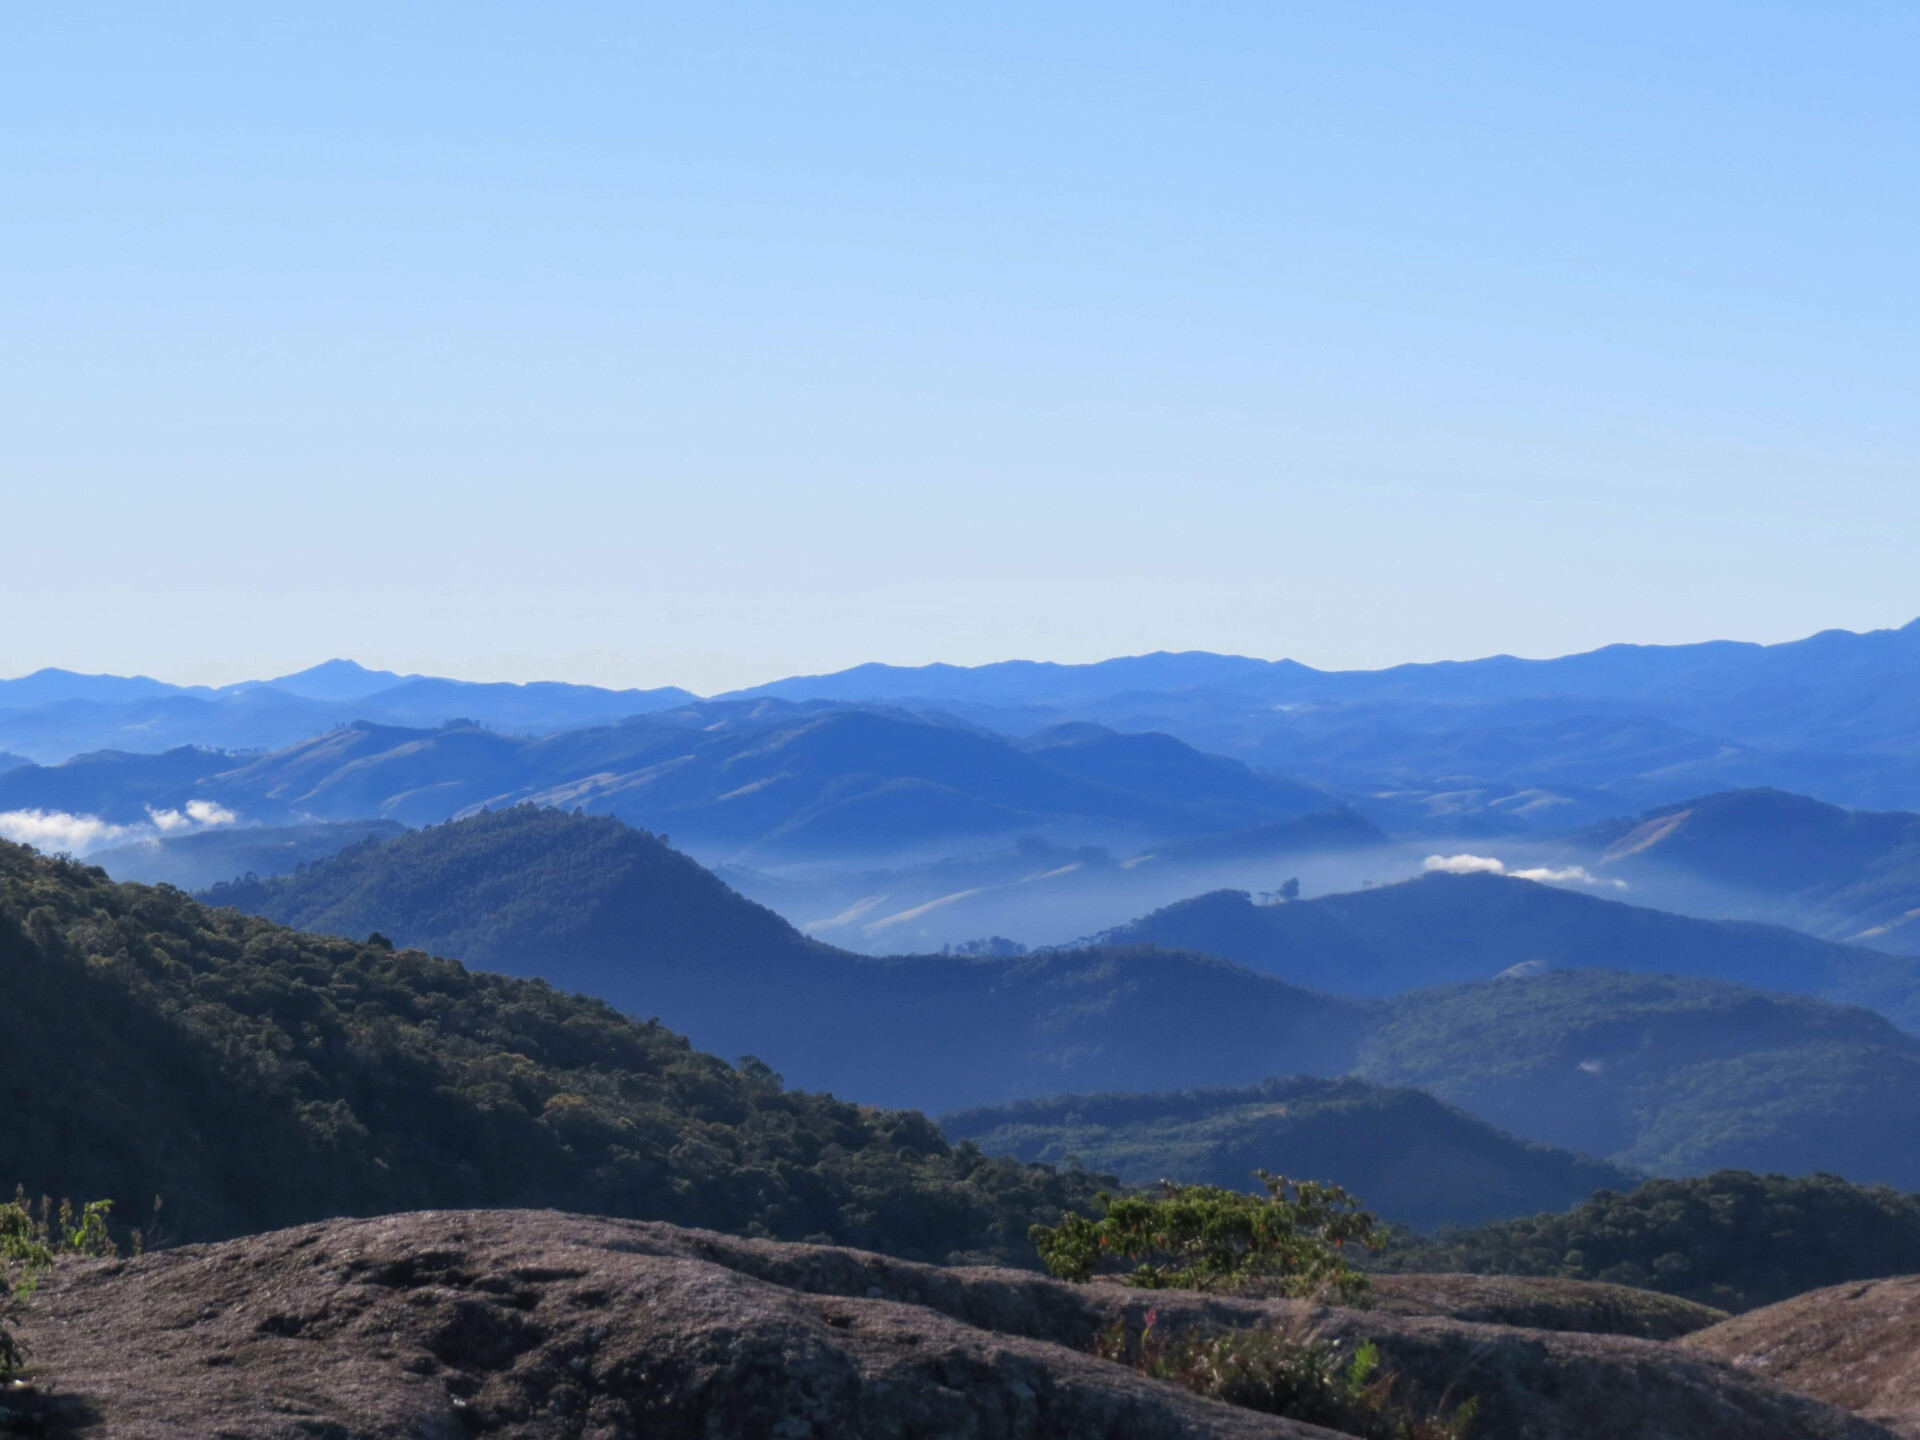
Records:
x=439, y=1325
x=1856, y=1345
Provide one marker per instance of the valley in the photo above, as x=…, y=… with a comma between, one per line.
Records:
x=970, y=978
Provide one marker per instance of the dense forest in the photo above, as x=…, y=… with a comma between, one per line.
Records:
x=253, y=1076
x=1732, y=1239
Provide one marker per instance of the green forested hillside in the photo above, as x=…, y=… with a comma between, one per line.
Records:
x=1415, y=1159
x=255, y=1076
x=1732, y=1239
x=1667, y=1074
x=569, y=897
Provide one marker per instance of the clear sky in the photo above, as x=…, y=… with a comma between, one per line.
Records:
x=703, y=344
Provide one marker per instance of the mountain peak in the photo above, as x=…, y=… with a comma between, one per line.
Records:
x=336, y=680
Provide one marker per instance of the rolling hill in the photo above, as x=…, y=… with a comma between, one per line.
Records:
x=1411, y=1157
x=1665, y=1074
x=592, y=905
x=1661, y=1073
x=1048, y=893
x=762, y=778
x=209, y=857
x=1446, y=928
x=1732, y=1239
x=1844, y=874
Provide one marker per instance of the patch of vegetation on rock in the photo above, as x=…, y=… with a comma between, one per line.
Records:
x=1203, y=1237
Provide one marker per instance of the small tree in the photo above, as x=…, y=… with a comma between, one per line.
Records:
x=23, y=1255
x=29, y=1246
x=1199, y=1237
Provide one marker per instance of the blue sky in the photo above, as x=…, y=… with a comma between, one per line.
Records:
x=705, y=344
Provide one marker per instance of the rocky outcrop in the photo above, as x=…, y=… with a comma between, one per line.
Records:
x=531, y=1324
x=1855, y=1345
x=1540, y=1303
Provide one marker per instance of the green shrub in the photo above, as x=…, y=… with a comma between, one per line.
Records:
x=29, y=1245
x=1199, y=1237
x=1295, y=1376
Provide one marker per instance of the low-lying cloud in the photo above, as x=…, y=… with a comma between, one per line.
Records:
x=200, y=814
x=1488, y=865
x=62, y=832
x=1465, y=865
x=56, y=830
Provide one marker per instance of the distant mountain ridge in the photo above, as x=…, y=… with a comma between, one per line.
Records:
x=1495, y=745
x=53, y=715
x=785, y=779
x=1621, y=669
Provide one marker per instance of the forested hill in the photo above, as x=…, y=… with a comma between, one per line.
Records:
x=254, y=1076
x=1414, y=1158
x=584, y=899
x=1845, y=874
x=591, y=905
x=1732, y=1239
x=1660, y=1073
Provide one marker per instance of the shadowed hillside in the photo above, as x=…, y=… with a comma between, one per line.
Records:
x=1657, y=1072
x=1414, y=1159
x=589, y=904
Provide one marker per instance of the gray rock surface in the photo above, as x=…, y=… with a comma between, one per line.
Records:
x=1856, y=1345
x=440, y=1325
x=1541, y=1303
